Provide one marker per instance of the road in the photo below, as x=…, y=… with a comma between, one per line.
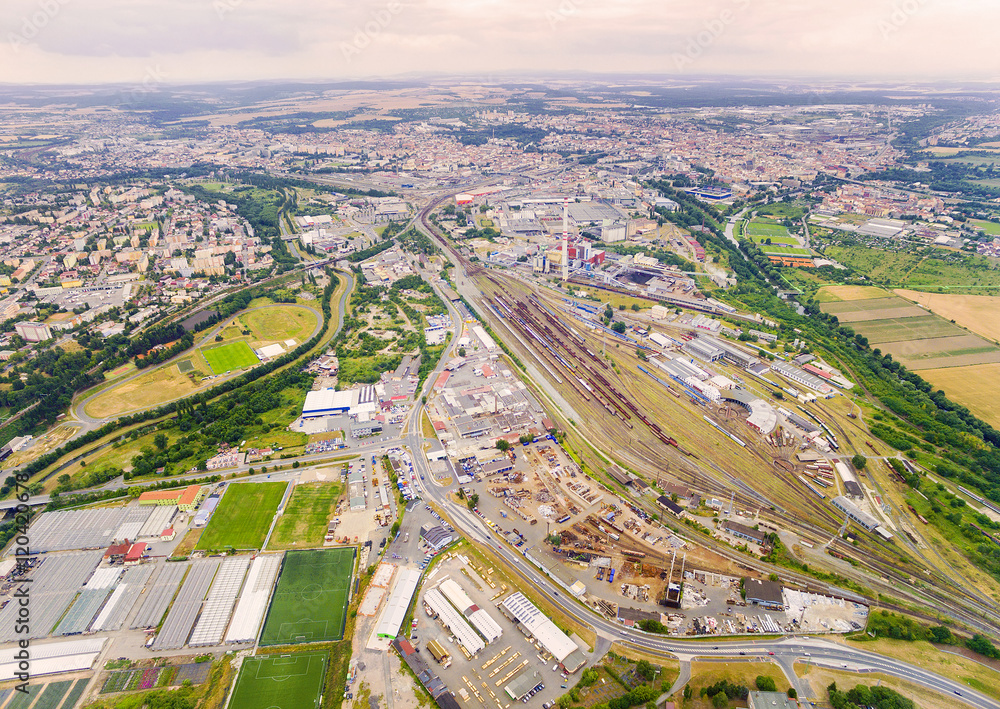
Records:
x=89, y=422
x=785, y=651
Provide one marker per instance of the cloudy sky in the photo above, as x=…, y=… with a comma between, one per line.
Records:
x=151, y=41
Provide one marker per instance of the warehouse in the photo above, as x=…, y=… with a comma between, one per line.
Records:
x=704, y=349
x=764, y=593
x=328, y=402
x=854, y=512
x=205, y=513
x=736, y=355
x=804, y=378
x=851, y=484
x=454, y=622
x=399, y=601
x=523, y=685
x=498, y=467
x=743, y=532
x=436, y=536
x=532, y=622
x=480, y=619
x=487, y=341
x=185, y=498
x=669, y=505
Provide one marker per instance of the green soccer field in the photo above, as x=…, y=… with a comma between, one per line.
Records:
x=235, y=355
x=310, y=602
x=243, y=516
x=280, y=682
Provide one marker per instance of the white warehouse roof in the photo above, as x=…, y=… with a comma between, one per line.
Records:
x=480, y=619
x=454, y=621
x=399, y=601
x=329, y=401
x=555, y=641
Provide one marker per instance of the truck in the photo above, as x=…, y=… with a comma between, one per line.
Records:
x=611, y=575
x=438, y=652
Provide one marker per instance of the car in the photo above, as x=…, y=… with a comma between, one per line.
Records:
x=807, y=654
x=716, y=647
x=563, y=686
x=742, y=653
x=772, y=652
x=623, y=632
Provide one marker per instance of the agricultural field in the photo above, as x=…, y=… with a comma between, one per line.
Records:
x=310, y=602
x=303, y=523
x=976, y=387
x=977, y=313
x=917, y=338
x=243, y=517
x=280, y=681
x=226, y=358
x=833, y=294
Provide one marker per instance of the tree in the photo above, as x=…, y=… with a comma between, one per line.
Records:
x=688, y=692
x=503, y=445
x=635, y=307
x=160, y=441
x=461, y=351
x=394, y=529
x=792, y=693
x=619, y=327
x=646, y=670
x=981, y=644
x=765, y=684
x=859, y=461
x=473, y=501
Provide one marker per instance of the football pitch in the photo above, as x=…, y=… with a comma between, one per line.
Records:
x=310, y=602
x=243, y=517
x=225, y=358
x=280, y=682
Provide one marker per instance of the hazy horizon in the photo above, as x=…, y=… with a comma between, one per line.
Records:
x=153, y=42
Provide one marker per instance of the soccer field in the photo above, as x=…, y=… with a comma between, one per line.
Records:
x=243, y=517
x=310, y=602
x=280, y=682
x=225, y=358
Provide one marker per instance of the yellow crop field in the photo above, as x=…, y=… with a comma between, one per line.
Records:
x=977, y=313
x=830, y=294
x=976, y=387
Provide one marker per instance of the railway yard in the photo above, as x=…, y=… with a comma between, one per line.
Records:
x=620, y=413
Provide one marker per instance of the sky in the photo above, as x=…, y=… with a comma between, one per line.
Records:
x=152, y=42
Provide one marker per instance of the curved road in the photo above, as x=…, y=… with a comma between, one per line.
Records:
x=89, y=422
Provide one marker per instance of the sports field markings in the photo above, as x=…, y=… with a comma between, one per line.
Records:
x=225, y=358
